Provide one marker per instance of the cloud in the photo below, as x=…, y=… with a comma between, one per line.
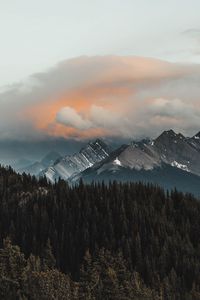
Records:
x=86, y=97
x=110, y=120
x=174, y=108
x=98, y=117
x=191, y=42
x=192, y=31
x=183, y=116
x=69, y=117
x=161, y=114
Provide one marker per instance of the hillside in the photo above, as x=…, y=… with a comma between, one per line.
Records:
x=156, y=234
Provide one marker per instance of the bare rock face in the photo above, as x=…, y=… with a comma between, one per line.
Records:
x=195, y=141
x=73, y=164
x=179, y=151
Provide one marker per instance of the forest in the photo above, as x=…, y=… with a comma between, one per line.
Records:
x=97, y=241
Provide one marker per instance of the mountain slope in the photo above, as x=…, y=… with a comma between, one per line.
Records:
x=177, y=150
x=69, y=165
x=165, y=176
x=37, y=167
x=170, y=160
x=195, y=141
x=87, y=231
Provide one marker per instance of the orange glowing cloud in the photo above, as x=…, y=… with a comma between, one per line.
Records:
x=97, y=96
x=44, y=113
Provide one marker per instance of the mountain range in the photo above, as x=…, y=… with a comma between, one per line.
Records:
x=37, y=167
x=171, y=160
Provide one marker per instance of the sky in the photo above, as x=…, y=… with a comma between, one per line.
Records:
x=85, y=69
x=35, y=35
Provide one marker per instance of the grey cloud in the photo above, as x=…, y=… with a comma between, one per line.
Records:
x=131, y=86
x=192, y=31
x=69, y=117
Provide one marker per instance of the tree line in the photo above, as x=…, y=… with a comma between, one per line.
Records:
x=99, y=241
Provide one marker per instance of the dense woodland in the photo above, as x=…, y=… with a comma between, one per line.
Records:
x=97, y=241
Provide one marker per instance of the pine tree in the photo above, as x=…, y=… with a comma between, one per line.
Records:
x=48, y=259
x=12, y=271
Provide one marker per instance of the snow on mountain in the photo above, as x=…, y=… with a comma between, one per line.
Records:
x=180, y=166
x=117, y=162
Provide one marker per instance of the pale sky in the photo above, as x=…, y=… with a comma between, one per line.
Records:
x=83, y=69
x=37, y=34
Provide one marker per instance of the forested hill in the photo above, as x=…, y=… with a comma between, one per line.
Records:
x=135, y=239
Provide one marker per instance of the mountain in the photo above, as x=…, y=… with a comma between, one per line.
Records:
x=37, y=167
x=50, y=158
x=33, y=169
x=170, y=160
x=21, y=163
x=165, y=176
x=70, y=165
x=195, y=141
x=179, y=151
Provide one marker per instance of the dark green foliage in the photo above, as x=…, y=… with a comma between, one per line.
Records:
x=12, y=262
x=25, y=279
x=105, y=277
x=47, y=258
x=156, y=232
